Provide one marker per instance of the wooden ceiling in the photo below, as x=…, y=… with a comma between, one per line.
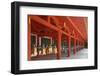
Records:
x=77, y=26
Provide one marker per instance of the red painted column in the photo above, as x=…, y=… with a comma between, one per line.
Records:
x=69, y=46
x=74, y=46
x=83, y=44
x=37, y=44
x=59, y=45
x=29, y=38
x=78, y=46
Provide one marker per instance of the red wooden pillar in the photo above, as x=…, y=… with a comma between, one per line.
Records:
x=78, y=46
x=59, y=45
x=69, y=46
x=74, y=46
x=29, y=38
x=83, y=44
x=38, y=44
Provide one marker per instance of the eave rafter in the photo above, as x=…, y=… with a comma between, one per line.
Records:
x=68, y=18
x=48, y=24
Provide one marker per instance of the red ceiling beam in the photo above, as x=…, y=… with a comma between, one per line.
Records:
x=75, y=27
x=86, y=26
x=45, y=23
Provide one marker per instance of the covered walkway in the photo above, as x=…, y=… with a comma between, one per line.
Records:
x=56, y=37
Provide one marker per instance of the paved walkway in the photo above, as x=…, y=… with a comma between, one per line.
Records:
x=82, y=54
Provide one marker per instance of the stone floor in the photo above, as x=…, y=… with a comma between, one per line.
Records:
x=81, y=54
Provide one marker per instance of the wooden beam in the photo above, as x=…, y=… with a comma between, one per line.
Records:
x=86, y=25
x=66, y=27
x=55, y=20
x=75, y=27
x=45, y=23
x=48, y=19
